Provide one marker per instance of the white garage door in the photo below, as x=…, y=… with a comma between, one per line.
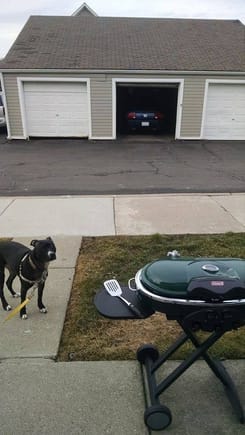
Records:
x=225, y=112
x=58, y=109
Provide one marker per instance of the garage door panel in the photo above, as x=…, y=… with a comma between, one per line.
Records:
x=38, y=128
x=53, y=86
x=72, y=116
x=56, y=109
x=225, y=112
x=63, y=130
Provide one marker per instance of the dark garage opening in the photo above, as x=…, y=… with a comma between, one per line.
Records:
x=162, y=98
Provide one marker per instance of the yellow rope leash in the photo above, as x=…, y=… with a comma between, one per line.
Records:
x=18, y=308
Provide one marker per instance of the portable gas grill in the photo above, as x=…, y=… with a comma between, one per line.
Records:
x=205, y=294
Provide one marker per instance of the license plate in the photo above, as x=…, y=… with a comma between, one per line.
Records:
x=145, y=124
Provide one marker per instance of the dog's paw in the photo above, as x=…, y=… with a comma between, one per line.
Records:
x=24, y=316
x=8, y=308
x=16, y=295
x=43, y=310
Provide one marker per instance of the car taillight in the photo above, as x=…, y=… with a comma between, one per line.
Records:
x=131, y=115
x=158, y=115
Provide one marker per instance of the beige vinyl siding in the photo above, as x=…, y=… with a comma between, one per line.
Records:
x=101, y=106
x=12, y=100
x=193, y=97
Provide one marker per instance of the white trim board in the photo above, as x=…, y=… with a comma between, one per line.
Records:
x=122, y=71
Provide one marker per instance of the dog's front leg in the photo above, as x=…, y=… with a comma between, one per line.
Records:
x=40, y=304
x=23, y=292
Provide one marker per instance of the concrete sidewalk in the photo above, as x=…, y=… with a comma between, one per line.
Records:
x=39, y=396
x=110, y=215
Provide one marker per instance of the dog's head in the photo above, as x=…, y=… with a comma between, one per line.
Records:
x=44, y=250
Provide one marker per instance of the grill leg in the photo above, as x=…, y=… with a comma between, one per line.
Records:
x=231, y=392
x=188, y=362
x=158, y=416
x=166, y=355
x=220, y=371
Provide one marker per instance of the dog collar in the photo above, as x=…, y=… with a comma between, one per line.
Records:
x=31, y=262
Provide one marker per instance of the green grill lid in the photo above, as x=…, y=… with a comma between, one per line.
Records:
x=171, y=276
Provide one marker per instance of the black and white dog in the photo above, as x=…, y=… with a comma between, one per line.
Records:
x=30, y=265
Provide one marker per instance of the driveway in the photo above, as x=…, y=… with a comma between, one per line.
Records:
x=128, y=165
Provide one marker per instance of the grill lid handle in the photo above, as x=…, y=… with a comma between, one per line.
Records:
x=173, y=253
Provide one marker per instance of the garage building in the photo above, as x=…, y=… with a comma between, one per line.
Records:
x=77, y=76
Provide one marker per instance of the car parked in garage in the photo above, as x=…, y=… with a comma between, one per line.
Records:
x=145, y=119
x=2, y=112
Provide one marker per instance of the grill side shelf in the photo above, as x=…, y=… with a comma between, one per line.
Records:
x=114, y=308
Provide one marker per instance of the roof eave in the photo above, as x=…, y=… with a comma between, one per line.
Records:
x=116, y=71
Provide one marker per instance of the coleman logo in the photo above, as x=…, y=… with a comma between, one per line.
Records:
x=217, y=283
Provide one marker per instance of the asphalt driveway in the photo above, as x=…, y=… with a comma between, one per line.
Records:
x=136, y=164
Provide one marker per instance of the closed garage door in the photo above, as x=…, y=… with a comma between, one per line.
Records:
x=225, y=112
x=58, y=109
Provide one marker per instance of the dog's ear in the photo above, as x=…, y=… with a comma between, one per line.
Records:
x=33, y=242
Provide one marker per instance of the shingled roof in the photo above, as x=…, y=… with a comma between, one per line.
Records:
x=108, y=43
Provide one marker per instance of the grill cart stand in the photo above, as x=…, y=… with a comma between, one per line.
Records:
x=157, y=416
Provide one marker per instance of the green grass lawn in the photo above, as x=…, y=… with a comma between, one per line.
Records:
x=89, y=336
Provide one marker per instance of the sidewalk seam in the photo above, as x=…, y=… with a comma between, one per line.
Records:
x=227, y=211
x=16, y=359
x=114, y=215
x=6, y=208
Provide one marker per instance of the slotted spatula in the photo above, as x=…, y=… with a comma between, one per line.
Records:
x=113, y=287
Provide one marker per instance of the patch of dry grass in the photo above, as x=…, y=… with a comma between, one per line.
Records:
x=88, y=336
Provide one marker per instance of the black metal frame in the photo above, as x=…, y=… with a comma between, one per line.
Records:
x=157, y=416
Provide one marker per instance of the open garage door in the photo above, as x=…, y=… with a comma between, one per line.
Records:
x=225, y=112
x=56, y=109
x=160, y=97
